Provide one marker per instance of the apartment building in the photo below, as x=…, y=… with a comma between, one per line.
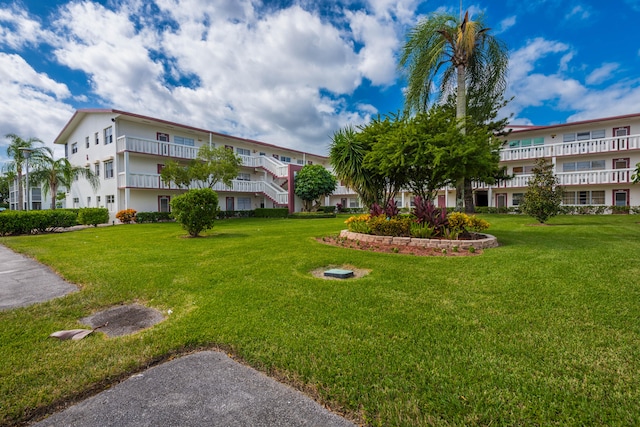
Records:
x=128, y=151
x=593, y=159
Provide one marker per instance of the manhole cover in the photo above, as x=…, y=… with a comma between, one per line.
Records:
x=339, y=273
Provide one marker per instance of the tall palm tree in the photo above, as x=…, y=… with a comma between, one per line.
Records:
x=453, y=53
x=19, y=150
x=52, y=173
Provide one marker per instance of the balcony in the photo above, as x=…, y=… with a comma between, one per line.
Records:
x=166, y=149
x=153, y=182
x=593, y=177
x=575, y=148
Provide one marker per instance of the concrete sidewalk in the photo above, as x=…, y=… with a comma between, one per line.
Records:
x=24, y=281
x=201, y=389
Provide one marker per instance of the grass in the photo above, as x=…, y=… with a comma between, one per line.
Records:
x=543, y=330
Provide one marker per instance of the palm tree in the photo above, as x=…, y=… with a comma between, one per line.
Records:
x=52, y=174
x=456, y=53
x=19, y=150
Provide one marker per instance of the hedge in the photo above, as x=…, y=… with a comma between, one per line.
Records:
x=142, y=217
x=271, y=212
x=28, y=222
x=235, y=214
x=93, y=216
x=311, y=215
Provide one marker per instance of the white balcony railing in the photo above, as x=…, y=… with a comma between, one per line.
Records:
x=167, y=149
x=594, y=177
x=153, y=181
x=595, y=146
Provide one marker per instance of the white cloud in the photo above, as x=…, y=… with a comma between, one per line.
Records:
x=36, y=106
x=578, y=12
x=505, y=24
x=601, y=74
x=17, y=29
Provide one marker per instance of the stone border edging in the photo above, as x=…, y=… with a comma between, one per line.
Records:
x=489, y=242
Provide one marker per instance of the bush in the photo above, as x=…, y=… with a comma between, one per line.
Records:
x=271, y=212
x=358, y=224
x=328, y=209
x=126, y=216
x=396, y=227
x=196, y=210
x=21, y=222
x=311, y=215
x=93, y=216
x=236, y=214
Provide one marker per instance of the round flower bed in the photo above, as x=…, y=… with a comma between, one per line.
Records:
x=483, y=241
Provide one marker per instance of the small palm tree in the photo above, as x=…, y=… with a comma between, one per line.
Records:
x=460, y=54
x=51, y=174
x=19, y=150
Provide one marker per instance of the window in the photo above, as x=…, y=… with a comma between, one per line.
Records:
x=519, y=170
x=108, y=135
x=517, y=199
x=244, y=203
x=88, y=201
x=300, y=162
x=353, y=203
x=242, y=176
x=96, y=170
x=86, y=142
x=163, y=137
x=229, y=147
x=538, y=141
x=285, y=159
x=111, y=198
x=243, y=151
x=309, y=162
x=583, y=165
x=97, y=201
x=525, y=143
x=163, y=204
x=262, y=153
x=74, y=148
x=108, y=169
x=184, y=141
x=76, y=202
x=583, y=197
x=275, y=156
x=514, y=144
x=97, y=138
x=583, y=136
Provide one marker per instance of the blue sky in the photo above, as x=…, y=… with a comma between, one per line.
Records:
x=293, y=72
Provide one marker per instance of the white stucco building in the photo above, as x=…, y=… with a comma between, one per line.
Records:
x=594, y=160
x=127, y=151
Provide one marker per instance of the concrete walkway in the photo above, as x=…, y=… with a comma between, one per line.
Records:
x=201, y=389
x=24, y=281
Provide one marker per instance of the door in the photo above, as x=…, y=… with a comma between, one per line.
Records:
x=501, y=200
x=622, y=176
x=164, y=203
x=621, y=143
x=621, y=197
x=442, y=201
x=230, y=205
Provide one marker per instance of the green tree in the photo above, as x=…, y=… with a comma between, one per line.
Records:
x=52, y=174
x=456, y=53
x=4, y=188
x=635, y=178
x=543, y=197
x=212, y=165
x=312, y=183
x=19, y=150
x=195, y=210
x=347, y=153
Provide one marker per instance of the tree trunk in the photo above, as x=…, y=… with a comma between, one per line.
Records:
x=54, y=194
x=461, y=113
x=469, y=206
x=20, y=192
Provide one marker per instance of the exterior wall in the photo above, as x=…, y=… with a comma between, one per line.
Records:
x=140, y=146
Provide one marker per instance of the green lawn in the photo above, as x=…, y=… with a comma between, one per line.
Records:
x=543, y=330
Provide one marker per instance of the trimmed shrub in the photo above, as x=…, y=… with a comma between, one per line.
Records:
x=196, y=210
x=142, y=217
x=311, y=215
x=396, y=227
x=21, y=222
x=93, y=216
x=126, y=216
x=271, y=212
x=235, y=214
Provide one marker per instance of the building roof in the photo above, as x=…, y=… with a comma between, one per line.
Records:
x=525, y=128
x=82, y=113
